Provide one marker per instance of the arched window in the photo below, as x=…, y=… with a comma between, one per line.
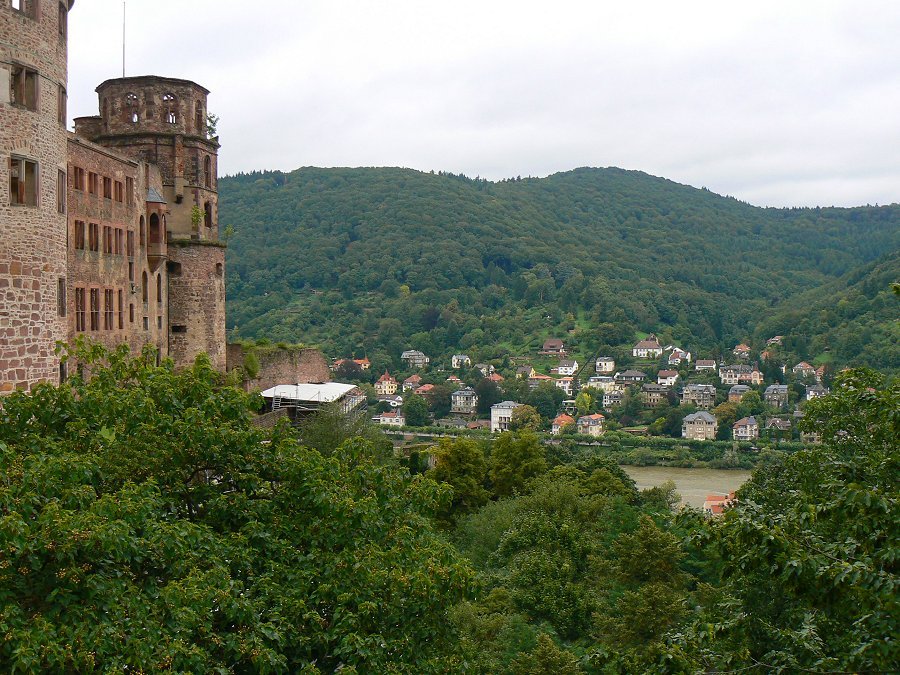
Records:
x=131, y=100
x=170, y=117
x=169, y=106
x=198, y=120
x=155, y=230
x=207, y=171
x=168, y=98
x=142, y=236
x=207, y=214
x=144, y=291
x=135, y=118
x=158, y=289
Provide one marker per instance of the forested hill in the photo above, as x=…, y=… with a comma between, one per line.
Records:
x=383, y=259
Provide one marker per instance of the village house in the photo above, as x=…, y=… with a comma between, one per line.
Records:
x=537, y=379
x=816, y=391
x=602, y=382
x=413, y=358
x=566, y=384
x=363, y=363
x=778, y=425
x=567, y=367
x=486, y=369
x=591, y=425
x=820, y=374
x=612, y=398
x=803, y=369
x=737, y=392
x=678, y=356
x=776, y=395
x=552, y=347
x=525, y=372
x=605, y=364
x=393, y=400
x=699, y=426
x=425, y=390
x=700, y=395
x=460, y=361
x=464, y=401
x=630, y=377
x=741, y=351
x=745, y=429
x=740, y=374
x=386, y=385
x=647, y=349
x=560, y=422
x=705, y=364
x=496, y=378
x=501, y=415
x=667, y=378
x=654, y=395
x=412, y=382
x=715, y=505
x=568, y=406
x=391, y=418
x=454, y=381
x=776, y=340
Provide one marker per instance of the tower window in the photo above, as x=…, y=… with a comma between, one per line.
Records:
x=23, y=87
x=144, y=291
x=23, y=181
x=135, y=118
x=143, y=237
x=220, y=269
x=158, y=289
x=78, y=178
x=121, y=312
x=63, y=20
x=79, y=309
x=24, y=7
x=173, y=268
x=61, y=102
x=207, y=214
x=61, y=296
x=170, y=117
x=61, y=191
x=207, y=171
x=93, y=237
x=198, y=120
x=95, y=309
x=79, y=235
x=178, y=328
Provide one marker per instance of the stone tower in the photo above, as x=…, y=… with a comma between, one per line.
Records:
x=33, y=62
x=162, y=121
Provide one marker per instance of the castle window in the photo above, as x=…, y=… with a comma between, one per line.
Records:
x=63, y=372
x=108, y=309
x=168, y=98
x=130, y=271
x=155, y=230
x=121, y=312
x=79, y=235
x=170, y=117
x=61, y=102
x=129, y=191
x=92, y=183
x=177, y=328
x=146, y=323
x=63, y=20
x=207, y=214
x=207, y=171
x=131, y=100
x=129, y=245
x=23, y=181
x=159, y=324
x=61, y=191
x=198, y=120
x=24, y=7
x=130, y=313
x=220, y=269
x=173, y=268
x=79, y=309
x=93, y=237
x=78, y=178
x=95, y=309
x=144, y=291
x=61, y=296
x=107, y=239
x=135, y=118
x=107, y=187
x=158, y=289
x=143, y=237
x=23, y=87
x=119, y=191
x=120, y=241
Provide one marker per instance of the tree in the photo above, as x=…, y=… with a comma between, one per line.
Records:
x=415, y=409
x=488, y=395
x=515, y=458
x=546, y=399
x=808, y=554
x=349, y=370
x=583, y=403
x=148, y=524
x=525, y=417
x=440, y=400
x=460, y=463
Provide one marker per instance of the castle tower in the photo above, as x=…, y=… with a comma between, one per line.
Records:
x=162, y=122
x=33, y=62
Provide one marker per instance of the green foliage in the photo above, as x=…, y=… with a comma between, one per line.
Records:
x=415, y=410
x=515, y=459
x=460, y=463
x=148, y=525
x=525, y=418
x=368, y=258
x=808, y=556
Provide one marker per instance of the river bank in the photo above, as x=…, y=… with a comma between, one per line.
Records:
x=692, y=484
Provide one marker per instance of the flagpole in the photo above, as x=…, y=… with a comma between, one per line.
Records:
x=123, y=38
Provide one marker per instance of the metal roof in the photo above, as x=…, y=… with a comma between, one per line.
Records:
x=319, y=393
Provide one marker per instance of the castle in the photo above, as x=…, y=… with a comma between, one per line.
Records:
x=110, y=231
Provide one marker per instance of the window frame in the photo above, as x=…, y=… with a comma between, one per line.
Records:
x=22, y=195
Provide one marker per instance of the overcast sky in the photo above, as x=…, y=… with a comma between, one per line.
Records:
x=786, y=103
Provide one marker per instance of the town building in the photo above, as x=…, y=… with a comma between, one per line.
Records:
x=567, y=367
x=386, y=385
x=737, y=392
x=700, y=395
x=393, y=400
x=605, y=364
x=591, y=425
x=566, y=384
x=803, y=369
x=486, y=369
x=390, y=418
x=654, y=395
x=715, y=505
x=699, y=426
x=746, y=429
x=560, y=422
x=413, y=358
x=647, y=349
x=612, y=398
x=741, y=351
x=630, y=377
x=501, y=415
x=679, y=356
x=776, y=395
x=705, y=364
x=740, y=374
x=464, y=401
x=816, y=391
x=553, y=346
x=460, y=361
x=412, y=382
x=667, y=378
x=602, y=382
x=307, y=398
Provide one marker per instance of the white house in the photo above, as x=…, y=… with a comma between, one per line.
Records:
x=463, y=401
x=501, y=415
x=667, y=378
x=567, y=367
x=413, y=358
x=605, y=364
x=592, y=425
x=460, y=361
x=560, y=422
x=705, y=364
x=746, y=429
x=700, y=426
x=566, y=384
x=391, y=418
x=678, y=355
x=647, y=349
x=602, y=382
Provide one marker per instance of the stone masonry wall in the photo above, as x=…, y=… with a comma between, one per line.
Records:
x=281, y=366
x=32, y=238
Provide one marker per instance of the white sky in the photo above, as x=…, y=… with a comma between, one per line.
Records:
x=787, y=103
